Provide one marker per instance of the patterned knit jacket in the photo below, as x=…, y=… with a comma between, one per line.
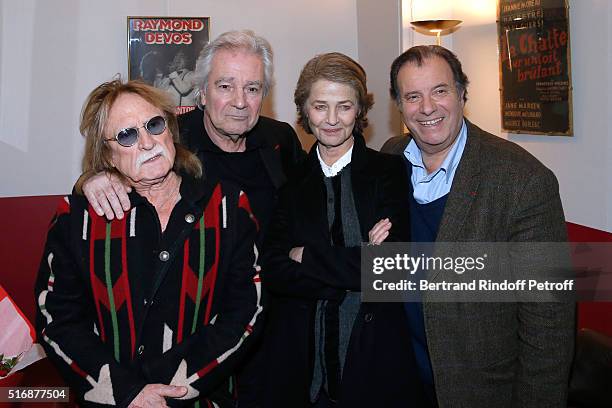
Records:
x=122, y=305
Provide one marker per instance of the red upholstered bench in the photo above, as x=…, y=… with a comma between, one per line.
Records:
x=592, y=315
x=24, y=223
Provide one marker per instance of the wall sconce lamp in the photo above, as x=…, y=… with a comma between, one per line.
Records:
x=436, y=26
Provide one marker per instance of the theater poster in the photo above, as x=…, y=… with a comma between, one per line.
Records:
x=534, y=66
x=163, y=51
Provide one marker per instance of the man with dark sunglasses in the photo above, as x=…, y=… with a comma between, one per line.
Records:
x=234, y=143
x=129, y=136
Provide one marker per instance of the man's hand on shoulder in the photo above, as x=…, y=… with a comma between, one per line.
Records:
x=107, y=195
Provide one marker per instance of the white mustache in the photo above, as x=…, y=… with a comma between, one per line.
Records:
x=157, y=151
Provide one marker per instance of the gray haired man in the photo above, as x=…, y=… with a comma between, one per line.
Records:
x=233, y=75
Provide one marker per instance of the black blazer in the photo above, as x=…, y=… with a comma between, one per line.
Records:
x=379, y=363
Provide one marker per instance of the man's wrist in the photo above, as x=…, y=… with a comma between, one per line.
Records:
x=78, y=186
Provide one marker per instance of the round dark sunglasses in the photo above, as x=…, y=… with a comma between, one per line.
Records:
x=128, y=136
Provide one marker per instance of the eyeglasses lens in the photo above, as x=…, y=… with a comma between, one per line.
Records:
x=127, y=137
x=155, y=126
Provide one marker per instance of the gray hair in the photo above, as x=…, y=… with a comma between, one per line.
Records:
x=244, y=40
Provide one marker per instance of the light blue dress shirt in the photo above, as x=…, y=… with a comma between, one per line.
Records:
x=430, y=187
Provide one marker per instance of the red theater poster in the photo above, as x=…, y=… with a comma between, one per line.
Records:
x=534, y=66
x=163, y=51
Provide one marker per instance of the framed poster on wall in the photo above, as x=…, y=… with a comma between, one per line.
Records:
x=162, y=51
x=534, y=66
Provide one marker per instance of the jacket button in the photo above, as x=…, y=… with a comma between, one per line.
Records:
x=190, y=218
x=164, y=256
x=140, y=350
x=368, y=317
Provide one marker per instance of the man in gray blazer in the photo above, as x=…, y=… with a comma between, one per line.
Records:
x=469, y=185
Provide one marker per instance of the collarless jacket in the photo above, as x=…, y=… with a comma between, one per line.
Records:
x=499, y=354
x=122, y=305
x=379, y=346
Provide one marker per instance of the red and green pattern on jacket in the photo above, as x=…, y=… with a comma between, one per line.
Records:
x=122, y=304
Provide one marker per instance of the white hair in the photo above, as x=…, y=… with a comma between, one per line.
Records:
x=245, y=40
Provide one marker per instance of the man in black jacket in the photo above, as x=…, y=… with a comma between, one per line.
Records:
x=234, y=143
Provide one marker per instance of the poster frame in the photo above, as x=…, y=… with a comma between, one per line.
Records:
x=566, y=67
